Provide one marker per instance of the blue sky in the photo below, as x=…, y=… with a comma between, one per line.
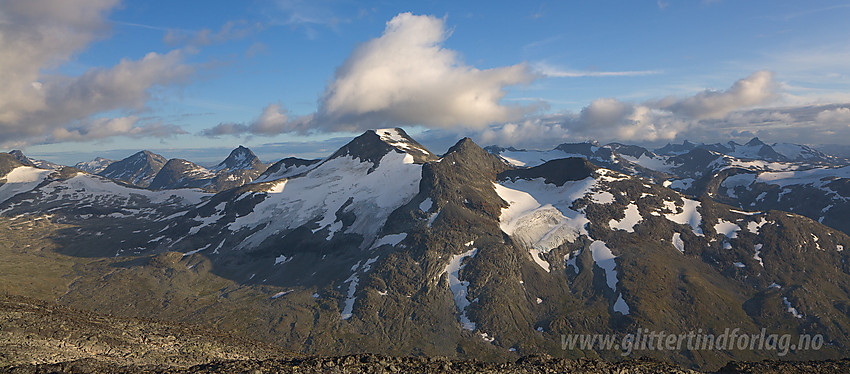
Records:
x=194, y=79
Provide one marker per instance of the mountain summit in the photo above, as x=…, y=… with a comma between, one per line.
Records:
x=373, y=145
x=94, y=166
x=139, y=169
x=240, y=158
x=239, y=168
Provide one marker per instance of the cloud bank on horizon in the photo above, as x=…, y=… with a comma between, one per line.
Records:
x=404, y=77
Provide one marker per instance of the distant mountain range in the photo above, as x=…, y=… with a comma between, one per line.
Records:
x=781, y=176
x=384, y=246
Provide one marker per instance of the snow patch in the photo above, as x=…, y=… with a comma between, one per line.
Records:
x=21, y=179
x=743, y=212
x=486, y=337
x=282, y=293
x=688, y=216
x=790, y=308
x=602, y=197
x=196, y=251
x=730, y=229
x=620, y=306
x=678, y=242
x=392, y=240
x=459, y=287
x=682, y=184
x=349, y=299
x=632, y=218
x=603, y=257
x=425, y=206
x=282, y=259
x=570, y=259
x=754, y=226
x=757, y=254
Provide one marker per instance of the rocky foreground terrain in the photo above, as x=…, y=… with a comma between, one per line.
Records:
x=42, y=337
x=367, y=363
x=36, y=332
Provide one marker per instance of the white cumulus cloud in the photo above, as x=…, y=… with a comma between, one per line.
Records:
x=36, y=107
x=406, y=77
x=838, y=116
x=698, y=116
x=757, y=89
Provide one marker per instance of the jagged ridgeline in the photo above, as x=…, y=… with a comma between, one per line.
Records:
x=385, y=247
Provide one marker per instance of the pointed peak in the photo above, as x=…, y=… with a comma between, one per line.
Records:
x=754, y=142
x=467, y=155
x=138, y=169
x=241, y=150
x=464, y=145
x=466, y=148
x=145, y=154
x=373, y=145
x=240, y=158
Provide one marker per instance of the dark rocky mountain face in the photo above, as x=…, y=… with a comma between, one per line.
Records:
x=178, y=173
x=8, y=163
x=385, y=247
x=23, y=159
x=139, y=169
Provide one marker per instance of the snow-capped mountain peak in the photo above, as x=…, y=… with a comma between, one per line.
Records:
x=240, y=158
x=373, y=145
x=94, y=166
